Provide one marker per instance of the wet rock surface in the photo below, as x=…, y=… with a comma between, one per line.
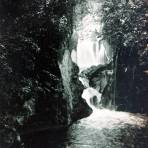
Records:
x=101, y=78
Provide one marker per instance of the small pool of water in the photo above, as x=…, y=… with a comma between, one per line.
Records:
x=102, y=129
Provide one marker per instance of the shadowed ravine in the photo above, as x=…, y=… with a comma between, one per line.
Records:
x=103, y=128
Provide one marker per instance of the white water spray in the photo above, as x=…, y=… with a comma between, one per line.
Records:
x=91, y=50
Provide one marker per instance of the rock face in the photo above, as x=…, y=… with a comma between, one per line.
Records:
x=73, y=89
x=33, y=90
x=102, y=79
x=132, y=87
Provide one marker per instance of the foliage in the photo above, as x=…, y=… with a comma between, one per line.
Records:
x=30, y=79
x=125, y=24
x=125, y=28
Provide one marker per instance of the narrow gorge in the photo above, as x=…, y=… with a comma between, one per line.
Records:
x=73, y=74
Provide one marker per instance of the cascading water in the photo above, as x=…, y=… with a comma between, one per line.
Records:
x=92, y=49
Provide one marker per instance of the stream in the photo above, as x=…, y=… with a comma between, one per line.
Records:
x=102, y=129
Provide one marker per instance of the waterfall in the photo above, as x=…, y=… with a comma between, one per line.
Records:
x=91, y=95
x=91, y=53
x=91, y=49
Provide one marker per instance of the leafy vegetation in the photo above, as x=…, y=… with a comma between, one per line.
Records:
x=125, y=24
x=125, y=28
x=30, y=47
